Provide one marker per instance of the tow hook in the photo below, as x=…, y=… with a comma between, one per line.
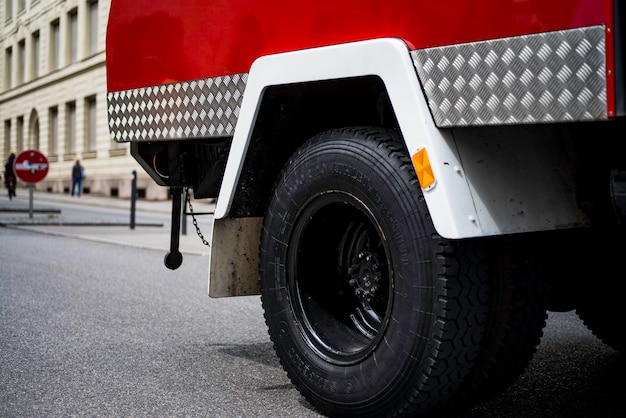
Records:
x=174, y=258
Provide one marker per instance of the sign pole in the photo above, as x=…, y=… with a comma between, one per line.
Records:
x=30, y=166
x=30, y=200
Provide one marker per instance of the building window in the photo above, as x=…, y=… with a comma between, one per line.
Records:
x=92, y=30
x=70, y=128
x=7, y=137
x=90, y=123
x=55, y=44
x=33, y=130
x=19, y=134
x=72, y=35
x=8, y=67
x=8, y=10
x=53, y=130
x=21, y=61
x=21, y=5
x=35, y=55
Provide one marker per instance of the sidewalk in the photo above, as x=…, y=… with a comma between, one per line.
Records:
x=49, y=218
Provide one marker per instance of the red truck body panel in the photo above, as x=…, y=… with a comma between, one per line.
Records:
x=152, y=42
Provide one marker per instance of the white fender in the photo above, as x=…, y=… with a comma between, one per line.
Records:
x=449, y=199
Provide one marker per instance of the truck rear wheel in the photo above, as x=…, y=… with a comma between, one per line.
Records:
x=517, y=317
x=604, y=316
x=371, y=312
x=600, y=298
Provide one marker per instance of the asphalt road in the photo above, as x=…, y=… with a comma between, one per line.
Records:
x=94, y=329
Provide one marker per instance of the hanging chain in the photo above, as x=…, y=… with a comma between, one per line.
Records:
x=188, y=202
x=193, y=217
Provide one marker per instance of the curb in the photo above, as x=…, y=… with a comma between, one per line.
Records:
x=73, y=223
x=23, y=210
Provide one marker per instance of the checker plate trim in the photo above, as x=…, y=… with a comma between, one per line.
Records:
x=549, y=77
x=195, y=109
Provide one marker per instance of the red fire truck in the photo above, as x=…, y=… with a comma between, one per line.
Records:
x=410, y=185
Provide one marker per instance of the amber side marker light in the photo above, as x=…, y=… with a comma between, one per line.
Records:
x=423, y=169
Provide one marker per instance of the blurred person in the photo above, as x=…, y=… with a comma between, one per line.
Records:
x=9, y=175
x=78, y=174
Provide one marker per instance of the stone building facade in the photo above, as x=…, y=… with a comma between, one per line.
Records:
x=53, y=95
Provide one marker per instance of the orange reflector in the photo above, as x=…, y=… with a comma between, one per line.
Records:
x=423, y=169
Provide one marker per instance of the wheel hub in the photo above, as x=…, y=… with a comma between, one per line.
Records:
x=365, y=276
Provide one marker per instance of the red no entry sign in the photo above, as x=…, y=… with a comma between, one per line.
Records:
x=31, y=166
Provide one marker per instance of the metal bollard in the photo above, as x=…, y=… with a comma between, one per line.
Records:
x=133, y=199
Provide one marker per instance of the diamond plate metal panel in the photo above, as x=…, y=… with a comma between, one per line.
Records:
x=194, y=109
x=549, y=77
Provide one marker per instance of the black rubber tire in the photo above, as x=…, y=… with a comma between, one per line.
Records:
x=519, y=293
x=600, y=297
x=605, y=318
x=371, y=312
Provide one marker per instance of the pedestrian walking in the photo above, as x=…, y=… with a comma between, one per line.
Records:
x=78, y=174
x=9, y=175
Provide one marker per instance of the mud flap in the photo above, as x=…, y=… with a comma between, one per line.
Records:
x=234, y=263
